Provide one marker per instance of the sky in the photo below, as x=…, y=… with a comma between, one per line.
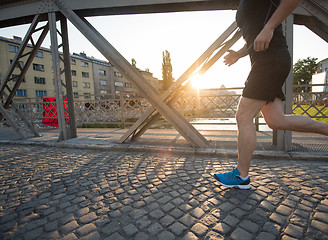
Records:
x=186, y=35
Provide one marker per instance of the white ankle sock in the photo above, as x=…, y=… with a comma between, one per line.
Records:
x=243, y=178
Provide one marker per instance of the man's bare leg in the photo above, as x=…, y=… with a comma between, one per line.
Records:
x=247, y=111
x=276, y=119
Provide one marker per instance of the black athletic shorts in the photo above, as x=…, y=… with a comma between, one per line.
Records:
x=268, y=74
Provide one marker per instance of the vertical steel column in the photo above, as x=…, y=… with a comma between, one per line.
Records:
x=283, y=139
x=68, y=77
x=57, y=77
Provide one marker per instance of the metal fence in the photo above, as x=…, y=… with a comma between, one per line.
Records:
x=123, y=109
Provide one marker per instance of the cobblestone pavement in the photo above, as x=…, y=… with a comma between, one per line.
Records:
x=54, y=193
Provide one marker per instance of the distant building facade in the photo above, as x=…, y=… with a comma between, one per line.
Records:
x=321, y=77
x=39, y=80
x=91, y=78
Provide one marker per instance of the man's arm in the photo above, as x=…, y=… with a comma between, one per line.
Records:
x=234, y=56
x=285, y=8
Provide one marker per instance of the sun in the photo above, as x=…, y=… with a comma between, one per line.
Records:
x=200, y=82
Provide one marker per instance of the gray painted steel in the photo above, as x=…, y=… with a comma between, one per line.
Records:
x=311, y=13
x=13, y=12
x=133, y=75
x=20, y=12
x=172, y=93
x=57, y=78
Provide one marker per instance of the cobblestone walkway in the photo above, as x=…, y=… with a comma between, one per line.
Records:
x=53, y=193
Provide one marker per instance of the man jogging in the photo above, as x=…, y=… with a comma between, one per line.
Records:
x=260, y=22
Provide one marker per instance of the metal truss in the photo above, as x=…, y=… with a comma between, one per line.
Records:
x=67, y=128
x=200, y=66
x=7, y=94
x=311, y=13
x=317, y=18
x=133, y=75
x=66, y=125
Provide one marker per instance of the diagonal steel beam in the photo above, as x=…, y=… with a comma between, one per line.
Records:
x=151, y=120
x=173, y=92
x=29, y=61
x=11, y=91
x=133, y=75
x=11, y=122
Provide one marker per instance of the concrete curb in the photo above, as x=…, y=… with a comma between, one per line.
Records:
x=210, y=152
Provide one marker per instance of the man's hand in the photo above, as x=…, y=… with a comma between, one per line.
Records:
x=262, y=41
x=264, y=38
x=231, y=58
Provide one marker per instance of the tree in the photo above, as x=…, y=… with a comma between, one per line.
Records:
x=302, y=73
x=167, y=70
x=134, y=62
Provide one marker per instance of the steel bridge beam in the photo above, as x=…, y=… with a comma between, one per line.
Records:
x=133, y=75
x=15, y=12
x=311, y=13
x=173, y=93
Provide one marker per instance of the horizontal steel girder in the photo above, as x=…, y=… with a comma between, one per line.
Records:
x=22, y=11
x=16, y=12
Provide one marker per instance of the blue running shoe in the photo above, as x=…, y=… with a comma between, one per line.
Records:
x=232, y=179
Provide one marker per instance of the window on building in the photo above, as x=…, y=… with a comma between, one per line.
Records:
x=38, y=67
x=13, y=48
x=118, y=84
x=73, y=61
x=21, y=63
x=128, y=85
x=85, y=74
x=86, y=85
x=76, y=94
x=39, y=80
x=87, y=95
x=102, y=72
x=21, y=93
x=103, y=82
x=117, y=74
x=74, y=83
x=102, y=92
x=39, y=54
x=15, y=78
x=40, y=93
x=73, y=73
x=84, y=64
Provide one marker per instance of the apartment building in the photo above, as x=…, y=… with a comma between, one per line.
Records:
x=107, y=79
x=91, y=78
x=39, y=80
x=157, y=84
x=82, y=78
x=321, y=77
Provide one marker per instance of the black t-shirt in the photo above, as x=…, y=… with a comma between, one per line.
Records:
x=252, y=15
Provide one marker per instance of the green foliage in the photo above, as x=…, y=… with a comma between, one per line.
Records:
x=302, y=73
x=167, y=70
x=134, y=62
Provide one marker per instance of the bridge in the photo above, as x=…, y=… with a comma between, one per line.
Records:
x=311, y=13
